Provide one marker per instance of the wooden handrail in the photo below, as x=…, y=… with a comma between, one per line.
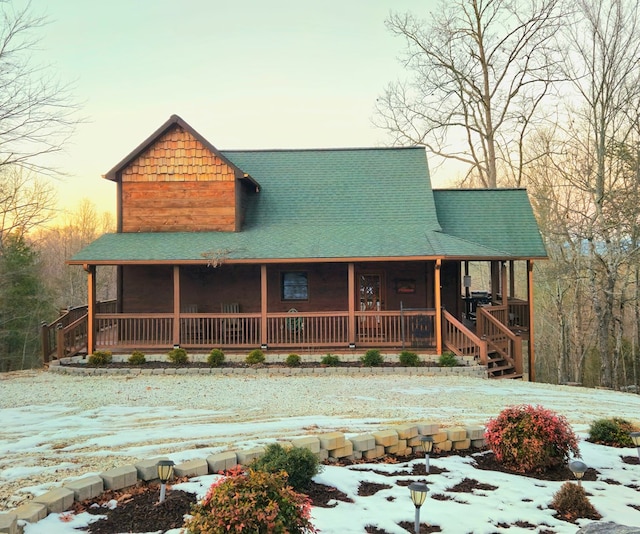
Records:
x=500, y=338
x=461, y=340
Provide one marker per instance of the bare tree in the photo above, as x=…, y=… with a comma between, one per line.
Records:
x=480, y=69
x=603, y=65
x=68, y=285
x=26, y=202
x=37, y=113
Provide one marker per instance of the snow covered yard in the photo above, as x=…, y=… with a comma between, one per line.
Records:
x=59, y=427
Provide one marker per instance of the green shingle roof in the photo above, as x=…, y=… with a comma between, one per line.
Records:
x=344, y=203
x=500, y=219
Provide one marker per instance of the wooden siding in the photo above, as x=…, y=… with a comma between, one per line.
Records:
x=179, y=185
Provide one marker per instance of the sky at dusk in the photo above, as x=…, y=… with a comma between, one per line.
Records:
x=245, y=74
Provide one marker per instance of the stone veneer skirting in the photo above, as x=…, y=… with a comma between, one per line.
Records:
x=400, y=440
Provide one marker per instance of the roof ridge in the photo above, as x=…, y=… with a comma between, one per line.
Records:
x=328, y=149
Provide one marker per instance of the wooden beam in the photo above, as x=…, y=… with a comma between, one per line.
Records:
x=504, y=283
x=512, y=279
x=91, y=308
x=438, y=295
x=531, y=353
x=263, y=304
x=176, y=305
x=351, y=288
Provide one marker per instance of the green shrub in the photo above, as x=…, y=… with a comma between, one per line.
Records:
x=330, y=359
x=532, y=439
x=447, y=359
x=409, y=359
x=255, y=501
x=255, y=356
x=571, y=503
x=293, y=360
x=137, y=358
x=613, y=432
x=300, y=464
x=100, y=357
x=372, y=358
x=178, y=356
x=215, y=358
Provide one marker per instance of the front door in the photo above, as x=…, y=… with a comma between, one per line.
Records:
x=371, y=299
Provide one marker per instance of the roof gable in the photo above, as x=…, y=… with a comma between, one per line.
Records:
x=162, y=136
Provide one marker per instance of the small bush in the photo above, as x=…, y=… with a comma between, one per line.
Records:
x=178, y=356
x=613, y=432
x=372, y=358
x=330, y=359
x=215, y=358
x=409, y=359
x=293, y=360
x=137, y=358
x=100, y=357
x=254, y=357
x=571, y=503
x=527, y=439
x=300, y=464
x=255, y=501
x=447, y=359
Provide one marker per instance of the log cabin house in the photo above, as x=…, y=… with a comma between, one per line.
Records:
x=305, y=250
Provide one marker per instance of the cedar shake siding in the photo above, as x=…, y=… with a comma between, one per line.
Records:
x=179, y=185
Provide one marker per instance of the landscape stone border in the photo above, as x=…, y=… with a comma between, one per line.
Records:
x=77, y=365
x=398, y=441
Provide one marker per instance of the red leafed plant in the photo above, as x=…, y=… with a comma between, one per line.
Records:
x=251, y=501
x=531, y=439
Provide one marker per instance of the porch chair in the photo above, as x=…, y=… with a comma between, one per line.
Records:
x=231, y=327
x=295, y=326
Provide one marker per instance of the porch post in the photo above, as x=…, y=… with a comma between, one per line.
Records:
x=176, y=305
x=512, y=279
x=351, y=285
x=438, y=289
x=531, y=354
x=504, y=282
x=263, y=304
x=91, y=308
x=495, y=280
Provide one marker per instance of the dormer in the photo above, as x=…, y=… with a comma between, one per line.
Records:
x=176, y=181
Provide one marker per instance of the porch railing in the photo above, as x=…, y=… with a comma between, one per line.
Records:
x=461, y=340
x=67, y=335
x=403, y=328
x=499, y=337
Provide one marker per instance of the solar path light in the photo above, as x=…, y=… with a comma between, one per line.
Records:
x=635, y=437
x=165, y=472
x=578, y=469
x=418, y=492
x=426, y=443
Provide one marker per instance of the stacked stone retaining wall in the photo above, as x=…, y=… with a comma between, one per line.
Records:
x=398, y=441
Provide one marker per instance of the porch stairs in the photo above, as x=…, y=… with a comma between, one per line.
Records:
x=497, y=347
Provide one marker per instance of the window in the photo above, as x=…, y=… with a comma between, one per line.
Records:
x=294, y=286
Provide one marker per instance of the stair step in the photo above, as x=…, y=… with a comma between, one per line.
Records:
x=512, y=376
x=499, y=368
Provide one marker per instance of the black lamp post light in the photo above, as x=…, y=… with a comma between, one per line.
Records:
x=578, y=469
x=426, y=443
x=165, y=472
x=635, y=437
x=418, y=492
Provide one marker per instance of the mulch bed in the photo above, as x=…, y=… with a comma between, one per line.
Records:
x=137, y=508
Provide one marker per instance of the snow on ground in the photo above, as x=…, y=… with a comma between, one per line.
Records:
x=57, y=427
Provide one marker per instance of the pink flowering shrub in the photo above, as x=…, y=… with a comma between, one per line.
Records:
x=251, y=501
x=531, y=439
